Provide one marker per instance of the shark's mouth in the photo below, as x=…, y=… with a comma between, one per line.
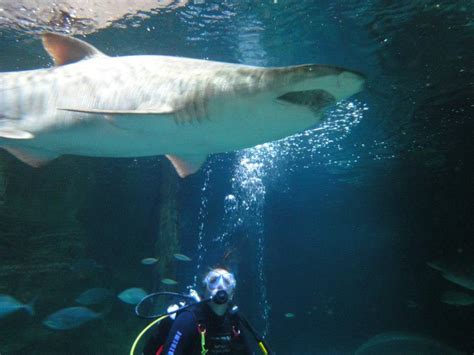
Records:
x=316, y=100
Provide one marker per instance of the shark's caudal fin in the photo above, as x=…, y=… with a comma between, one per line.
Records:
x=66, y=50
x=187, y=164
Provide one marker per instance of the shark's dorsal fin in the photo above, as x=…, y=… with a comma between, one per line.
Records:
x=66, y=50
x=187, y=164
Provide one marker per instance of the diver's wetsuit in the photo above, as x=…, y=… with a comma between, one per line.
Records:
x=222, y=336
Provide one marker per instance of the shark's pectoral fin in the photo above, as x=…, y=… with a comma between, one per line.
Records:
x=13, y=133
x=34, y=158
x=187, y=164
x=66, y=50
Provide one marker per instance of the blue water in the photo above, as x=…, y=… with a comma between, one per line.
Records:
x=334, y=225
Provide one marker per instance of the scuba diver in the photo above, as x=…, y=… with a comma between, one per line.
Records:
x=210, y=326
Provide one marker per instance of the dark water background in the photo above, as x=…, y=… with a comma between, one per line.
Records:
x=339, y=235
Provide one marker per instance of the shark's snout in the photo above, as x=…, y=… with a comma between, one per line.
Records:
x=347, y=83
x=352, y=81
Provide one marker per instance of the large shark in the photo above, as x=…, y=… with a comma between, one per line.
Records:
x=91, y=104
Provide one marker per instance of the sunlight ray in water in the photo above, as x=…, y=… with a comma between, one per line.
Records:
x=257, y=167
x=244, y=206
x=254, y=165
x=318, y=145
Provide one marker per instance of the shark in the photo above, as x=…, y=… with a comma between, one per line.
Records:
x=92, y=104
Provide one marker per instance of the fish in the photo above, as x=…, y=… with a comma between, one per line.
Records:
x=289, y=315
x=169, y=282
x=404, y=343
x=91, y=104
x=69, y=318
x=459, y=278
x=132, y=295
x=457, y=298
x=436, y=265
x=181, y=257
x=149, y=261
x=93, y=296
x=9, y=305
x=459, y=272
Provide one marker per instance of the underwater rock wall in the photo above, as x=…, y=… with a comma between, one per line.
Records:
x=167, y=239
x=40, y=237
x=62, y=232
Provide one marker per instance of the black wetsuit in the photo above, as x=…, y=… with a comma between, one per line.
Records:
x=223, y=333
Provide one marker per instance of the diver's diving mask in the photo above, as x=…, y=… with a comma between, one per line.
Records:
x=220, y=279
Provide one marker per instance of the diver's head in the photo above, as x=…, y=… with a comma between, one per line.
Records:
x=219, y=279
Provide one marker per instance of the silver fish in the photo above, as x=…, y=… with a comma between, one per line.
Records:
x=457, y=298
x=93, y=296
x=181, y=257
x=149, y=261
x=460, y=272
x=69, y=318
x=132, y=295
x=404, y=343
x=9, y=305
x=169, y=282
x=91, y=104
x=463, y=279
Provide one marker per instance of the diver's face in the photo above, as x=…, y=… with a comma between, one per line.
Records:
x=219, y=279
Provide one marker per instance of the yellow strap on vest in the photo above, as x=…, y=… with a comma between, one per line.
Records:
x=264, y=349
x=132, y=350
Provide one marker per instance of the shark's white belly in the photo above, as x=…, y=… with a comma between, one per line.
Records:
x=230, y=126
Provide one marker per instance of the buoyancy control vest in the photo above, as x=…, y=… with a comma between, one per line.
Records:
x=216, y=334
